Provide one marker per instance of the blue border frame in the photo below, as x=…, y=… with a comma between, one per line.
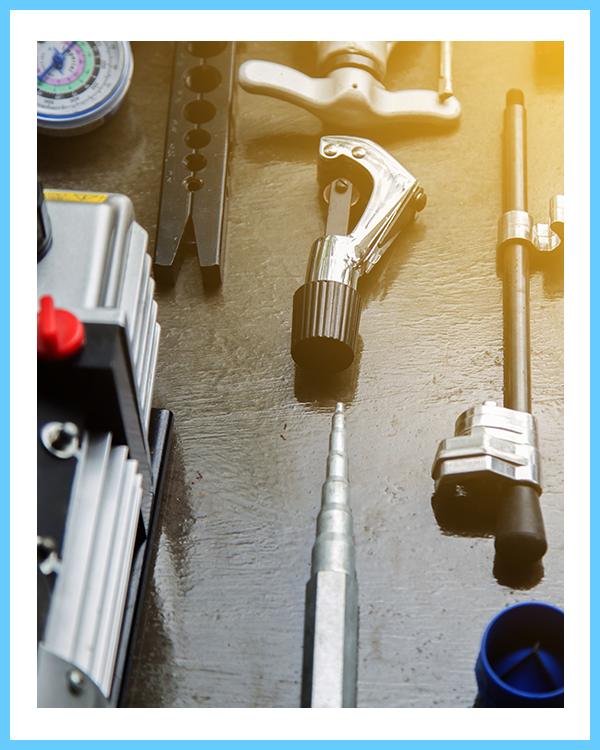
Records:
x=296, y=729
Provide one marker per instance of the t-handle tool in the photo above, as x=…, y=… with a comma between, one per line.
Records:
x=351, y=89
x=331, y=619
x=494, y=454
x=327, y=307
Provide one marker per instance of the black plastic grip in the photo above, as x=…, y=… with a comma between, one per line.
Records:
x=520, y=533
x=325, y=322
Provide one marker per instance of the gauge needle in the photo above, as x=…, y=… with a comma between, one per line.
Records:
x=58, y=59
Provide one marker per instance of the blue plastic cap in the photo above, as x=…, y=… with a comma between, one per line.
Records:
x=521, y=661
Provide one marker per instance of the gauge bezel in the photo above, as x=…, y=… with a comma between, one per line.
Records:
x=98, y=112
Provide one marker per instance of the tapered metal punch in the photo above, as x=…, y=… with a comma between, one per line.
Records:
x=331, y=618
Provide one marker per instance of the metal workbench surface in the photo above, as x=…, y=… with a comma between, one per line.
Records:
x=222, y=623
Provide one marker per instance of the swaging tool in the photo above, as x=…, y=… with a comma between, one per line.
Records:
x=331, y=618
x=351, y=88
x=494, y=455
x=327, y=307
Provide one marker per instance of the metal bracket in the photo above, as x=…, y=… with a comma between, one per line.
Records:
x=519, y=225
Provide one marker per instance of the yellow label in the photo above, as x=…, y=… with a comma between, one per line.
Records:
x=60, y=195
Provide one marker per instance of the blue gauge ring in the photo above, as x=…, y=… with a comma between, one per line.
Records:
x=93, y=116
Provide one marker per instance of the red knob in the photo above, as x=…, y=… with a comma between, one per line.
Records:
x=59, y=333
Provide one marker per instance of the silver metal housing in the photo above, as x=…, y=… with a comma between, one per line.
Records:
x=98, y=269
x=490, y=440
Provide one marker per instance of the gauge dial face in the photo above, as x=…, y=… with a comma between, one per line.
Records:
x=75, y=78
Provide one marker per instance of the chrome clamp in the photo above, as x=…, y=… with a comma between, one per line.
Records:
x=519, y=225
x=490, y=441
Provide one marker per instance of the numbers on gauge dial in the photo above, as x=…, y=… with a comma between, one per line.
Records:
x=76, y=76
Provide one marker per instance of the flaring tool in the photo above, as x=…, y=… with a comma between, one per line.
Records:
x=327, y=307
x=351, y=87
x=331, y=615
x=194, y=192
x=494, y=455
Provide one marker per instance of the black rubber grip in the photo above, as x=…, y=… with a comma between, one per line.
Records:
x=520, y=533
x=325, y=324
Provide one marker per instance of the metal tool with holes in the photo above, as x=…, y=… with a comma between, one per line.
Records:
x=331, y=618
x=494, y=456
x=193, y=203
x=351, y=89
x=327, y=308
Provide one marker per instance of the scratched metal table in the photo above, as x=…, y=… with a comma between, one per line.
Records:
x=222, y=624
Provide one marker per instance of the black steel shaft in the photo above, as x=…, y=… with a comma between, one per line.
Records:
x=517, y=357
x=520, y=530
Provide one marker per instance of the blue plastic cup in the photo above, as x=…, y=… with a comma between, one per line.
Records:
x=521, y=661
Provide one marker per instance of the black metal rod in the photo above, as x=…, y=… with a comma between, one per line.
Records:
x=517, y=355
x=520, y=533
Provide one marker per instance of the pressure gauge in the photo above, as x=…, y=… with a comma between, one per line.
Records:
x=80, y=85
